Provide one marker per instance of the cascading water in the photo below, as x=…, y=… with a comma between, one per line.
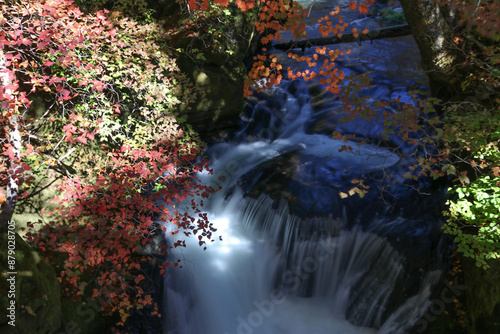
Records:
x=294, y=257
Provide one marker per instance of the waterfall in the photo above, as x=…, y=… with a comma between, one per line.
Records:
x=289, y=255
x=275, y=273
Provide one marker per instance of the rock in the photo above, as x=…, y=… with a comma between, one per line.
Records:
x=163, y=8
x=224, y=100
x=83, y=317
x=482, y=296
x=221, y=73
x=37, y=291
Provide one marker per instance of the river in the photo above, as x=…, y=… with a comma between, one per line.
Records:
x=294, y=257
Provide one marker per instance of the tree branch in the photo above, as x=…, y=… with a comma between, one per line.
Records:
x=399, y=30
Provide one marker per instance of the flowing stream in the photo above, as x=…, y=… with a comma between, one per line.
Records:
x=295, y=258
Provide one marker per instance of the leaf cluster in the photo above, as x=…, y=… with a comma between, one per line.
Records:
x=108, y=90
x=471, y=133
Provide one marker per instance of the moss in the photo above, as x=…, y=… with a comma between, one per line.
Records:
x=32, y=210
x=224, y=100
x=37, y=291
x=82, y=317
x=482, y=297
x=390, y=15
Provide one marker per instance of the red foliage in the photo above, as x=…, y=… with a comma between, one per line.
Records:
x=107, y=207
x=112, y=221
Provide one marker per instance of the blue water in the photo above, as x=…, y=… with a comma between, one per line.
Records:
x=294, y=256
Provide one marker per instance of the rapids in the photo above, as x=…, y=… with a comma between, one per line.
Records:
x=294, y=257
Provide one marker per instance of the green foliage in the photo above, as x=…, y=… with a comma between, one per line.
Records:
x=474, y=217
x=136, y=9
x=467, y=132
x=217, y=30
x=473, y=212
x=389, y=14
x=471, y=138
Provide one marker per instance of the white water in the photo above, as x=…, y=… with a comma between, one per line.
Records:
x=246, y=284
x=276, y=273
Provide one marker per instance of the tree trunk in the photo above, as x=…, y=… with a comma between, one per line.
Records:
x=430, y=27
x=13, y=137
x=400, y=30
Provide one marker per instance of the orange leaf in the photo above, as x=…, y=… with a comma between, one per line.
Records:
x=355, y=32
x=363, y=9
x=352, y=5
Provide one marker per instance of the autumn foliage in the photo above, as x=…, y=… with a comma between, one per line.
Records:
x=95, y=95
x=107, y=129
x=272, y=24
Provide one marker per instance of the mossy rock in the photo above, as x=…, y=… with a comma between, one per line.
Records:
x=224, y=100
x=390, y=16
x=83, y=317
x=220, y=72
x=37, y=291
x=483, y=296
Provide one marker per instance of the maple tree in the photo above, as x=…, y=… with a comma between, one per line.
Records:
x=108, y=127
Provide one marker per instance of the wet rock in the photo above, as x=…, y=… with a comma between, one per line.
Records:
x=37, y=291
